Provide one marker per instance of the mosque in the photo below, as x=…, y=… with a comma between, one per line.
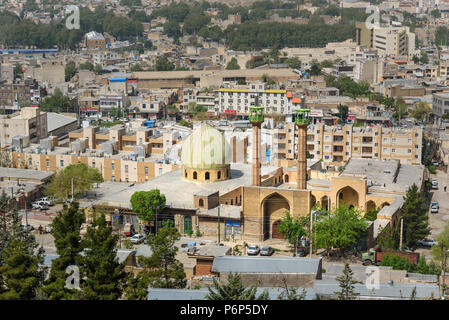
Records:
x=212, y=195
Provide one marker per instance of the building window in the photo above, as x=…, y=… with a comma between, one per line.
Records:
x=393, y=150
x=113, y=166
x=219, y=175
x=195, y=175
x=48, y=162
x=409, y=151
x=126, y=168
x=201, y=203
x=113, y=178
x=207, y=176
x=62, y=163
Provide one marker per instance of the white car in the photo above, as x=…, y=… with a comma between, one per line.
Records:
x=427, y=242
x=253, y=250
x=137, y=238
x=434, y=209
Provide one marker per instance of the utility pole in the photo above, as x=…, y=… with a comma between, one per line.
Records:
x=401, y=236
x=311, y=233
x=218, y=224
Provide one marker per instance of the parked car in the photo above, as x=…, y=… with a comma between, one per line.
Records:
x=29, y=227
x=39, y=205
x=434, y=204
x=137, y=238
x=266, y=251
x=427, y=243
x=435, y=163
x=49, y=201
x=434, y=209
x=253, y=250
x=434, y=183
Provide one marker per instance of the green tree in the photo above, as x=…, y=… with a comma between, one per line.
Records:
x=343, y=111
x=147, y=204
x=315, y=69
x=136, y=68
x=440, y=251
x=116, y=112
x=86, y=66
x=293, y=229
x=163, y=64
x=21, y=274
x=340, y=228
x=70, y=70
x=424, y=57
x=293, y=63
x=233, y=65
x=291, y=293
x=234, y=290
x=414, y=213
x=98, y=69
x=162, y=269
x=57, y=102
x=346, y=284
x=66, y=227
x=105, y=275
x=421, y=111
x=18, y=69
x=83, y=179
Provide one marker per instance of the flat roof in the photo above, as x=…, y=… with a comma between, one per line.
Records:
x=24, y=174
x=223, y=73
x=178, y=191
x=56, y=121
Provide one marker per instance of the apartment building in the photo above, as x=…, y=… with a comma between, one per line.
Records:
x=29, y=123
x=388, y=40
x=236, y=99
x=440, y=103
x=335, y=145
x=13, y=95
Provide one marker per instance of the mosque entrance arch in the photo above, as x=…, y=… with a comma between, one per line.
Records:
x=348, y=196
x=274, y=207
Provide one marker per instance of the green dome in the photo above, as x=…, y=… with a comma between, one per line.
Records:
x=205, y=148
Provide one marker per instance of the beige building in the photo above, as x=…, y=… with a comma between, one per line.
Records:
x=335, y=145
x=395, y=41
x=29, y=123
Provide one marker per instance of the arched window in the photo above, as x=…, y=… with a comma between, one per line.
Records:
x=185, y=173
x=232, y=202
x=219, y=175
x=207, y=176
x=195, y=175
x=236, y=200
x=286, y=178
x=201, y=203
x=275, y=180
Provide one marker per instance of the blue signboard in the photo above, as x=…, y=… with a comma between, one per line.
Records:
x=233, y=223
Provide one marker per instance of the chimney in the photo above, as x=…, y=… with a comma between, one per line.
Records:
x=302, y=120
x=256, y=117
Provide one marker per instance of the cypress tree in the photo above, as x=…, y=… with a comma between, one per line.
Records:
x=416, y=226
x=66, y=229
x=346, y=283
x=20, y=271
x=234, y=290
x=11, y=230
x=104, y=274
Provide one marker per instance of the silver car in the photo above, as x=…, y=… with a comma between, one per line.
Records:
x=253, y=250
x=427, y=243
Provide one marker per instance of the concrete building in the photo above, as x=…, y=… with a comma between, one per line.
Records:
x=395, y=41
x=235, y=99
x=29, y=122
x=335, y=145
x=440, y=104
x=94, y=40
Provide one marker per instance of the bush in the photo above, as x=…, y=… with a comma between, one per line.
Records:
x=127, y=244
x=432, y=169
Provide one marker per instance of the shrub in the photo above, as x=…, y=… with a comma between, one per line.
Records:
x=432, y=169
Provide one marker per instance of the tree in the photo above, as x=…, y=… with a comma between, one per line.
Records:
x=440, y=251
x=70, y=70
x=21, y=254
x=424, y=57
x=421, y=111
x=162, y=269
x=105, y=275
x=401, y=108
x=234, y=290
x=87, y=66
x=147, y=204
x=21, y=274
x=293, y=229
x=136, y=68
x=18, y=69
x=163, y=64
x=233, y=65
x=116, y=112
x=66, y=227
x=57, y=102
x=293, y=63
x=98, y=69
x=83, y=179
x=342, y=113
x=315, y=69
x=414, y=213
x=346, y=283
x=340, y=228
x=291, y=293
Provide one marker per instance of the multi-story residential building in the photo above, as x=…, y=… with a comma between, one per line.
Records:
x=190, y=95
x=29, y=123
x=388, y=40
x=335, y=145
x=440, y=104
x=235, y=99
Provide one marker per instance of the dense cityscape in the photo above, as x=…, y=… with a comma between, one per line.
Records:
x=224, y=150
